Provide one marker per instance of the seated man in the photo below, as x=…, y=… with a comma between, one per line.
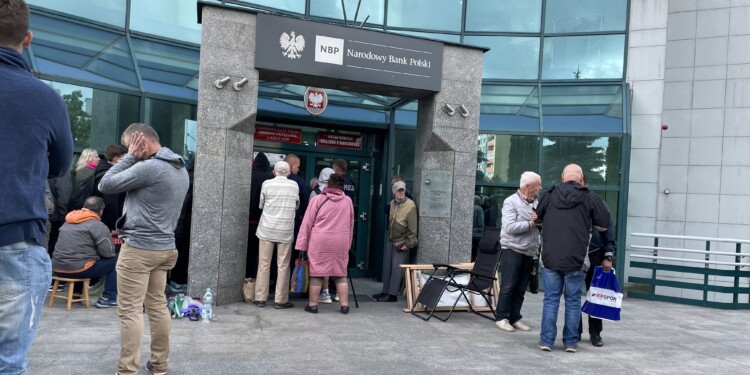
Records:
x=84, y=250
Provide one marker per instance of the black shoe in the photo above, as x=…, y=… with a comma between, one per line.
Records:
x=387, y=298
x=103, y=303
x=311, y=309
x=596, y=340
x=260, y=303
x=150, y=367
x=287, y=305
x=344, y=310
x=379, y=295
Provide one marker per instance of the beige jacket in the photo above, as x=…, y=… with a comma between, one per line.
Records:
x=402, y=223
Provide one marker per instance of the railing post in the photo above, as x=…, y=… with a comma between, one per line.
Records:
x=737, y=259
x=705, y=274
x=653, y=271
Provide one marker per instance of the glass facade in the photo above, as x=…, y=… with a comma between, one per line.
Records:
x=552, y=91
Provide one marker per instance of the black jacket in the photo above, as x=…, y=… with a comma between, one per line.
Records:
x=62, y=189
x=568, y=212
x=602, y=244
x=112, y=202
x=261, y=169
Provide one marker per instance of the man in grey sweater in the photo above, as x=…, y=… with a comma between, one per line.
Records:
x=156, y=182
x=519, y=241
x=84, y=249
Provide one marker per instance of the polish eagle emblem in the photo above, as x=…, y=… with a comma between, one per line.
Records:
x=316, y=99
x=292, y=45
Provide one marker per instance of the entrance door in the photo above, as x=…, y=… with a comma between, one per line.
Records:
x=359, y=171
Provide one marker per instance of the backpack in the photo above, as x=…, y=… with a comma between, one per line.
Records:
x=85, y=189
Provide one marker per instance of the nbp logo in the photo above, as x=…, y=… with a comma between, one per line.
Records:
x=329, y=50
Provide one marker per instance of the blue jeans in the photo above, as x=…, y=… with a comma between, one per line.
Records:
x=103, y=267
x=554, y=282
x=25, y=275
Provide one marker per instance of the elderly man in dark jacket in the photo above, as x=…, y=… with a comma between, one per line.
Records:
x=84, y=250
x=568, y=212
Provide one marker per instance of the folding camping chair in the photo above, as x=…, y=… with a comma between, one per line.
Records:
x=481, y=278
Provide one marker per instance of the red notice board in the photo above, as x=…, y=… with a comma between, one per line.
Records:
x=273, y=134
x=351, y=142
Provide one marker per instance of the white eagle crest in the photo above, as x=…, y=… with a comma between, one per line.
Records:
x=292, y=45
x=315, y=99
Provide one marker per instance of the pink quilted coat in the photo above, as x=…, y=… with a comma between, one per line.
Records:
x=326, y=233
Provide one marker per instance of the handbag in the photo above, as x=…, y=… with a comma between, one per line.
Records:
x=301, y=275
x=604, y=298
x=248, y=290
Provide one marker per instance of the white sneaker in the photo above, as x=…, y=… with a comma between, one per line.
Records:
x=336, y=297
x=325, y=297
x=505, y=325
x=520, y=326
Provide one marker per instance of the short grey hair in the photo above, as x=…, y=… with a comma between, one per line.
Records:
x=529, y=177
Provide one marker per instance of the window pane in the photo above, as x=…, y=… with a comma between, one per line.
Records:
x=332, y=9
x=175, y=19
x=611, y=198
x=425, y=14
x=498, y=63
x=97, y=117
x=167, y=69
x=582, y=108
x=504, y=15
x=503, y=158
x=82, y=52
x=509, y=108
x=444, y=37
x=295, y=6
x=492, y=203
x=110, y=12
x=583, y=57
x=598, y=156
x=566, y=16
x=403, y=162
x=175, y=123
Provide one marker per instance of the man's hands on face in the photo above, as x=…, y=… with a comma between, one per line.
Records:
x=137, y=146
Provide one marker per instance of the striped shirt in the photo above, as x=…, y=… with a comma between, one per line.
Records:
x=279, y=199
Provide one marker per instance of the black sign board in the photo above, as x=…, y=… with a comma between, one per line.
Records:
x=296, y=51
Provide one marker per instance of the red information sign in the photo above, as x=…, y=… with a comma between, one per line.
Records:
x=283, y=135
x=352, y=142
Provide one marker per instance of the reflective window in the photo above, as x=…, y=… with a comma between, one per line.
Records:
x=504, y=15
x=372, y=10
x=502, y=158
x=509, y=108
x=598, y=156
x=110, y=12
x=508, y=57
x=294, y=6
x=407, y=115
x=175, y=19
x=570, y=16
x=492, y=199
x=610, y=197
x=583, y=57
x=582, y=108
x=82, y=52
x=175, y=123
x=425, y=14
x=444, y=37
x=403, y=152
x=97, y=117
x=167, y=69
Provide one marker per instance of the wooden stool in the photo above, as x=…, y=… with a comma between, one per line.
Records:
x=71, y=297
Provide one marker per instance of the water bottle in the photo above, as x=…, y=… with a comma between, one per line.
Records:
x=207, y=311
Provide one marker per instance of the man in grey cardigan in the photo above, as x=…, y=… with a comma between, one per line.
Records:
x=156, y=182
x=519, y=241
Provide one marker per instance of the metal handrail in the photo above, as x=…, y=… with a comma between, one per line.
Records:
x=677, y=237
x=691, y=260
x=641, y=247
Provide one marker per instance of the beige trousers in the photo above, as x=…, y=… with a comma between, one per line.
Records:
x=265, y=252
x=141, y=279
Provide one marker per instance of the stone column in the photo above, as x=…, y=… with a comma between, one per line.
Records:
x=446, y=158
x=224, y=152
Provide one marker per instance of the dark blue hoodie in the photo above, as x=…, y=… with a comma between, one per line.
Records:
x=35, y=144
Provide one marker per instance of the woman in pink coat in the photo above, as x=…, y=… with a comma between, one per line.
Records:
x=326, y=235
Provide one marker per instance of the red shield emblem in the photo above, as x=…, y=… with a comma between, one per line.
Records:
x=316, y=100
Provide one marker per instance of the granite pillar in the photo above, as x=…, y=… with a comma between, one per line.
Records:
x=445, y=159
x=224, y=152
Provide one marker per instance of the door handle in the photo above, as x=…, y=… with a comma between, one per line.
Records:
x=363, y=216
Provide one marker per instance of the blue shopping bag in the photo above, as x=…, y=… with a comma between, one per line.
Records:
x=604, y=298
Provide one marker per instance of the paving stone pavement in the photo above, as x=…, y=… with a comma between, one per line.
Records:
x=378, y=338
